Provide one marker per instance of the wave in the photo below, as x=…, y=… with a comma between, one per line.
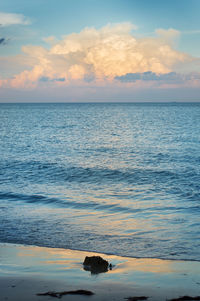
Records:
x=53, y=172
x=182, y=184
x=88, y=205
x=18, y=244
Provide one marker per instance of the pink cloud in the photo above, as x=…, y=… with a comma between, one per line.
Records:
x=101, y=58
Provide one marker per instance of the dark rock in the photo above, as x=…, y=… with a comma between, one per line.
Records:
x=52, y=294
x=95, y=264
x=81, y=292
x=60, y=294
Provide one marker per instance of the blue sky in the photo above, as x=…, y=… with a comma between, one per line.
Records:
x=41, y=19
x=50, y=17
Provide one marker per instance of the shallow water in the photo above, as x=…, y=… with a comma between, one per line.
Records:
x=113, y=178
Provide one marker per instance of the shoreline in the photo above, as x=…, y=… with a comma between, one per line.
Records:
x=96, y=252
x=27, y=270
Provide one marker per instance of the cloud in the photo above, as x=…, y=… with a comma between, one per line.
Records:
x=18, y=63
x=8, y=19
x=102, y=55
x=166, y=78
x=50, y=40
x=109, y=92
x=170, y=35
x=149, y=76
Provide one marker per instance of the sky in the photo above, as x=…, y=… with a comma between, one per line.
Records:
x=99, y=51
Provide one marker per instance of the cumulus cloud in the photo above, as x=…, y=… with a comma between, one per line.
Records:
x=7, y=19
x=109, y=53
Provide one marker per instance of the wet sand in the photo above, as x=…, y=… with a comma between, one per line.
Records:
x=28, y=270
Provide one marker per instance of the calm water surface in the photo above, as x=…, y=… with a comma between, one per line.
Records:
x=113, y=178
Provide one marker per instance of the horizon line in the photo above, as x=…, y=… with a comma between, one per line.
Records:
x=98, y=102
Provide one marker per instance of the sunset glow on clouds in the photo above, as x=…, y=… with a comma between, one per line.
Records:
x=103, y=54
x=111, y=56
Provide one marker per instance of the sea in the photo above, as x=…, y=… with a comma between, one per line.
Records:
x=117, y=178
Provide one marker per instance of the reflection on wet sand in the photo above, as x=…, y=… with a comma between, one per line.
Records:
x=70, y=259
x=48, y=269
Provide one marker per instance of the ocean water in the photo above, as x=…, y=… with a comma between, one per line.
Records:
x=116, y=178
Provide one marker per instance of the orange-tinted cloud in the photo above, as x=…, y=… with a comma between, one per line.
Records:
x=100, y=55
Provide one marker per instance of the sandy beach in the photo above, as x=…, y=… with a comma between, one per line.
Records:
x=26, y=271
